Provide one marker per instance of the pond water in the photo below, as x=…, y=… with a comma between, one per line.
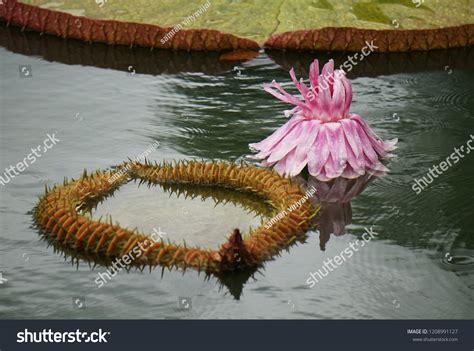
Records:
x=106, y=104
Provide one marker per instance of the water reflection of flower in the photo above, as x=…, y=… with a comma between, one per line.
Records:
x=334, y=197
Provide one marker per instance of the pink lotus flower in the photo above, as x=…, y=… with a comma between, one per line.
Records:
x=322, y=133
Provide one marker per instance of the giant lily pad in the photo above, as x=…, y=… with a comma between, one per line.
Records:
x=394, y=25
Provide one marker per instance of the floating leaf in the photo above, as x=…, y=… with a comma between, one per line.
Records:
x=230, y=25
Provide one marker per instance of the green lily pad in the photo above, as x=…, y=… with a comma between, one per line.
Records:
x=259, y=20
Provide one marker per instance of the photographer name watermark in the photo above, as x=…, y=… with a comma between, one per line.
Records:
x=308, y=194
x=188, y=20
x=140, y=158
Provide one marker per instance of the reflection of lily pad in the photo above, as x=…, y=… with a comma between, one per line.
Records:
x=144, y=61
x=397, y=25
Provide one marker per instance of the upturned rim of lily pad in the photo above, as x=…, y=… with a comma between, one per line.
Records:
x=59, y=216
x=332, y=38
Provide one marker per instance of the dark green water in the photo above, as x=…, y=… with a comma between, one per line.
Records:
x=421, y=265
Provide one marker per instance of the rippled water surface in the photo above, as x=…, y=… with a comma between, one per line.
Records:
x=106, y=104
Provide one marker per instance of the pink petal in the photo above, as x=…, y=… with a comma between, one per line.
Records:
x=324, y=101
x=290, y=163
x=348, y=94
x=338, y=100
x=288, y=113
x=271, y=141
x=379, y=145
x=351, y=135
x=377, y=169
x=322, y=176
x=288, y=143
x=366, y=145
x=327, y=74
x=390, y=144
x=349, y=173
x=269, y=89
x=302, y=150
x=331, y=168
x=280, y=166
x=352, y=138
x=290, y=98
x=314, y=74
x=337, y=147
x=356, y=163
x=304, y=88
x=301, y=87
x=318, y=153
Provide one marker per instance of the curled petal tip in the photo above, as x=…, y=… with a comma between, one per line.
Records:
x=393, y=142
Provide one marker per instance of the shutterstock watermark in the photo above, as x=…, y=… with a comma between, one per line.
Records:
x=101, y=2
x=421, y=184
x=364, y=52
x=346, y=66
x=125, y=260
x=345, y=254
x=56, y=337
x=138, y=158
x=14, y=170
x=188, y=20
